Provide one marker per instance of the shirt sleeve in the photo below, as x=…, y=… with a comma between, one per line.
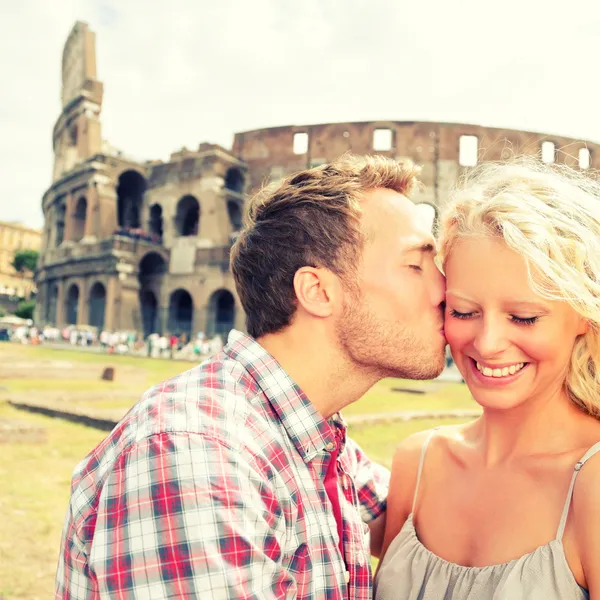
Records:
x=187, y=516
x=372, y=482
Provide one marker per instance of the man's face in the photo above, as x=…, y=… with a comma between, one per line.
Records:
x=392, y=324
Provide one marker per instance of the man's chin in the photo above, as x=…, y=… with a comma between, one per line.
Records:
x=422, y=372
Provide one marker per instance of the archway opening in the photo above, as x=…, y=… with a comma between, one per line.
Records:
x=221, y=316
x=151, y=266
x=181, y=312
x=234, y=180
x=97, y=305
x=235, y=215
x=130, y=195
x=155, y=224
x=79, y=217
x=187, y=217
x=150, y=313
x=72, y=305
x=150, y=275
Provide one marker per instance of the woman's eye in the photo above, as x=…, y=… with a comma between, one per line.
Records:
x=524, y=320
x=459, y=315
x=416, y=267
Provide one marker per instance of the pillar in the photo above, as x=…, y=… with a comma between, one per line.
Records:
x=70, y=203
x=60, y=303
x=91, y=218
x=111, y=300
x=106, y=202
x=82, y=303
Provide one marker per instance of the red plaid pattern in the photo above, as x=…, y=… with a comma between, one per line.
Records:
x=212, y=486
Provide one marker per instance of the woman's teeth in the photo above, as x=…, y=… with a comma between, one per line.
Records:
x=504, y=372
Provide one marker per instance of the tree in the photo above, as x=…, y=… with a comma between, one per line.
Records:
x=25, y=309
x=25, y=260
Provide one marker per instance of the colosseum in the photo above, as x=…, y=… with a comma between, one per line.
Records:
x=144, y=246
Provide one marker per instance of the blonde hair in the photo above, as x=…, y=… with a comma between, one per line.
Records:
x=550, y=215
x=309, y=218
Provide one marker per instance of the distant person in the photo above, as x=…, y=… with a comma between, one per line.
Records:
x=506, y=507
x=104, y=337
x=236, y=479
x=173, y=343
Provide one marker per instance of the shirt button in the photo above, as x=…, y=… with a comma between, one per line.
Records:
x=361, y=559
x=347, y=576
x=330, y=447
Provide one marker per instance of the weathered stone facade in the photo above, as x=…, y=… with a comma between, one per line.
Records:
x=145, y=246
x=129, y=245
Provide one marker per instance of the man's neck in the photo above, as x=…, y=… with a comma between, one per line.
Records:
x=328, y=379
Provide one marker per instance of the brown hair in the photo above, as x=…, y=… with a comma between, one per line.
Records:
x=311, y=218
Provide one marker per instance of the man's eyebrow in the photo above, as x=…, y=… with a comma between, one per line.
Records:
x=422, y=247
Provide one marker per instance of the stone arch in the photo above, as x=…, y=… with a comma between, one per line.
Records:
x=221, y=313
x=150, y=312
x=235, y=214
x=187, y=216
x=155, y=223
x=51, y=303
x=97, y=305
x=72, y=304
x=181, y=312
x=78, y=219
x=151, y=270
x=151, y=265
x=130, y=195
x=234, y=180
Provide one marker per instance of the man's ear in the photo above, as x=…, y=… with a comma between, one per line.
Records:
x=315, y=290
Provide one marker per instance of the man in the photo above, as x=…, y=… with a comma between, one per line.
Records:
x=236, y=479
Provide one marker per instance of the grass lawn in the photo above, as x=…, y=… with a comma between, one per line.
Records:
x=35, y=477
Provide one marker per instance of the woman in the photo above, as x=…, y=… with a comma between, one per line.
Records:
x=506, y=507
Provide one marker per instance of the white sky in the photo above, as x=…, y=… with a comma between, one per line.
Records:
x=185, y=71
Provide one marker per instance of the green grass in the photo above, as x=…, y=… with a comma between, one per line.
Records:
x=55, y=385
x=157, y=369
x=34, y=491
x=382, y=398
x=35, y=477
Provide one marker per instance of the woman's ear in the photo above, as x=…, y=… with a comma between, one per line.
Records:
x=584, y=326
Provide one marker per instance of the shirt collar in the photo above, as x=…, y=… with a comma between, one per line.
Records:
x=306, y=428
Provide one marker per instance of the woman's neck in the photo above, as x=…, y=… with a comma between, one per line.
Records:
x=542, y=425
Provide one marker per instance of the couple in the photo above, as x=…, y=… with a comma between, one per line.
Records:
x=236, y=479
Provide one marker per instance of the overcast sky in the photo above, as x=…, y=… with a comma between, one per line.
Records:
x=185, y=71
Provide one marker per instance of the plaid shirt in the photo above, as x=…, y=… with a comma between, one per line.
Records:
x=212, y=486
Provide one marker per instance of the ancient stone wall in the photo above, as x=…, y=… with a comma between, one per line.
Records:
x=145, y=246
x=275, y=152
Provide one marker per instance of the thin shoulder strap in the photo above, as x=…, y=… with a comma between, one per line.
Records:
x=565, y=513
x=421, y=461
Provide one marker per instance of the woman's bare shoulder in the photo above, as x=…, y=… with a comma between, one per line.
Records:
x=445, y=438
x=405, y=467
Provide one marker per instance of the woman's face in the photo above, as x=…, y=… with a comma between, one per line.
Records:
x=510, y=344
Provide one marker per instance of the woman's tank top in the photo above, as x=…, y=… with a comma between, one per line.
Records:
x=409, y=571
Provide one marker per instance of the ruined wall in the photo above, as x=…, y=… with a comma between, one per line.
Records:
x=269, y=153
